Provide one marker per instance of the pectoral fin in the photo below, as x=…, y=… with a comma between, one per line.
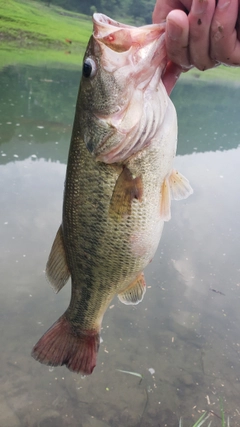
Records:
x=165, y=203
x=175, y=187
x=179, y=186
x=134, y=292
x=126, y=189
x=57, y=269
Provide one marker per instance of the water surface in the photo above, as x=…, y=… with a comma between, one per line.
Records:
x=184, y=338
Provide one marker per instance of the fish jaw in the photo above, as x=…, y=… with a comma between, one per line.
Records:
x=134, y=58
x=126, y=46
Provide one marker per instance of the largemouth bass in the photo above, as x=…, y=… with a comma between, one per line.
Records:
x=119, y=185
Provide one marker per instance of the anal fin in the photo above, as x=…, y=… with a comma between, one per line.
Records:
x=135, y=292
x=57, y=269
x=126, y=189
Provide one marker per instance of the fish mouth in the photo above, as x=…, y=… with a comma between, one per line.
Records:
x=121, y=37
x=103, y=25
x=136, y=56
x=140, y=44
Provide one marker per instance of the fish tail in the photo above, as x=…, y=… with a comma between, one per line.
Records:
x=65, y=344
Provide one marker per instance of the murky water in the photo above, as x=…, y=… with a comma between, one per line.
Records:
x=184, y=338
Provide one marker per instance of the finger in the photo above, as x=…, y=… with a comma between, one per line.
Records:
x=163, y=7
x=238, y=22
x=170, y=76
x=225, y=44
x=177, y=30
x=200, y=19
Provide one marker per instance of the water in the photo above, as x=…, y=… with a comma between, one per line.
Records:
x=184, y=338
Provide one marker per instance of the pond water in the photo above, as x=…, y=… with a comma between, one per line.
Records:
x=184, y=338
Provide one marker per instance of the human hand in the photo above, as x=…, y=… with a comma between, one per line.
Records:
x=207, y=36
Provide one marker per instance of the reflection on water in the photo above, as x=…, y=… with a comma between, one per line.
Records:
x=184, y=337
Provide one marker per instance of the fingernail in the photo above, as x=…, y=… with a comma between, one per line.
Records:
x=174, y=31
x=199, y=6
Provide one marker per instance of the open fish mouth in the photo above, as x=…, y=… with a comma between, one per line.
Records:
x=136, y=58
x=141, y=43
x=123, y=35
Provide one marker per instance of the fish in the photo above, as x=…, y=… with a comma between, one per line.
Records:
x=120, y=181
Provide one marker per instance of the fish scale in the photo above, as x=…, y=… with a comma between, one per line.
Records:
x=92, y=235
x=119, y=184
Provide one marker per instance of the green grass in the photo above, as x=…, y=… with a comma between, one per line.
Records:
x=202, y=421
x=31, y=22
x=230, y=75
x=204, y=417
x=32, y=32
x=38, y=57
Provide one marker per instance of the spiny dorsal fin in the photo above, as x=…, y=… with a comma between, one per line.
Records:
x=179, y=186
x=57, y=270
x=134, y=292
x=126, y=189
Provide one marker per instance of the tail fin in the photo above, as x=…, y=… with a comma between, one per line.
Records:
x=64, y=344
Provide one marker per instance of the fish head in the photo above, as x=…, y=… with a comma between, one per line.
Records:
x=122, y=71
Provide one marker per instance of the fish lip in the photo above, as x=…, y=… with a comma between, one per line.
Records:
x=105, y=29
x=103, y=22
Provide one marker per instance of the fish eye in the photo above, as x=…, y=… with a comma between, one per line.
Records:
x=89, y=68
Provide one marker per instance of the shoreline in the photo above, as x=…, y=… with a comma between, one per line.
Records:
x=71, y=59
x=39, y=35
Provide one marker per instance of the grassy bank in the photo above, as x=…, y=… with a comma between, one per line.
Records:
x=32, y=32
x=221, y=74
